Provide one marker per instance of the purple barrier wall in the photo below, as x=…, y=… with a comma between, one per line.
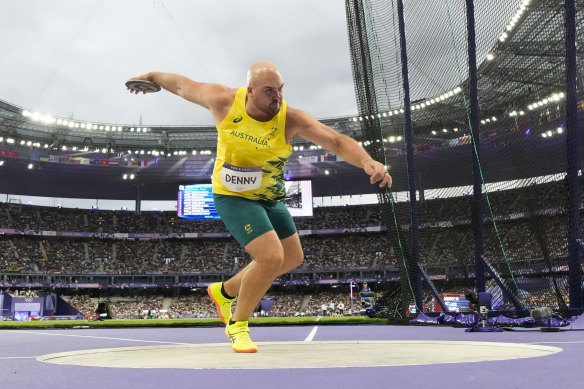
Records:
x=63, y=308
x=5, y=304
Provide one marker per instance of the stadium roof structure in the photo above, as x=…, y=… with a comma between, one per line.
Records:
x=523, y=73
x=161, y=157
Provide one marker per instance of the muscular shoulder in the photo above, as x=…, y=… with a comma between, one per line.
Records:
x=302, y=124
x=220, y=101
x=220, y=96
x=298, y=121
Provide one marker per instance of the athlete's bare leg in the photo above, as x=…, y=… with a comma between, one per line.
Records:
x=271, y=258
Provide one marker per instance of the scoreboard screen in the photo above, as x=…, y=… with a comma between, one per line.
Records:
x=298, y=198
x=196, y=202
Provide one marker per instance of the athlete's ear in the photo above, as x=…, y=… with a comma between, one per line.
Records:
x=249, y=89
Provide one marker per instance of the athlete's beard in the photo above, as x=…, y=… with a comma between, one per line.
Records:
x=276, y=109
x=270, y=109
x=273, y=109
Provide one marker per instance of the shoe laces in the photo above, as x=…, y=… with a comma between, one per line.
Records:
x=242, y=332
x=244, y=336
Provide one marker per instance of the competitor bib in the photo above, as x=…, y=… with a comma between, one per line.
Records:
x=241, y=179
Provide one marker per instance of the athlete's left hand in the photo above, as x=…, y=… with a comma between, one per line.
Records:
x=378, y=173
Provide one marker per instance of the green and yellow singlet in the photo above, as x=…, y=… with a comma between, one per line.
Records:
x=251, y=155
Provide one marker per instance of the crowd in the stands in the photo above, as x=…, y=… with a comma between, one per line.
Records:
x=199, y=305
x=530, y=224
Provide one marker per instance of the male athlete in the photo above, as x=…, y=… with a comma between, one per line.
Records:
x=255, y=127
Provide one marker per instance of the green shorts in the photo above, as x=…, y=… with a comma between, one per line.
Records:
x=247, y=219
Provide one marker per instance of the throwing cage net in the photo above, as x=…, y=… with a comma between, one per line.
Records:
x=473, y=106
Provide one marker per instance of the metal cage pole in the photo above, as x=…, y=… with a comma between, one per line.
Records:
x=414, y=225
x=573, y=154
x=477, y=214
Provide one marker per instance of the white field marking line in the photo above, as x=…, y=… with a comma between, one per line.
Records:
x=103, y=337
x=311, y=335
x=17, y=357
x=318, y=318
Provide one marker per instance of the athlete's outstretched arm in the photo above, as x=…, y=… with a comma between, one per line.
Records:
x=302, y=124
x=201, y=93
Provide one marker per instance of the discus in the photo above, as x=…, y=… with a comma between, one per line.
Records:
x=142, y=86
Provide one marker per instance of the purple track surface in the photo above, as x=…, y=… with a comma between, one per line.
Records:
x=20, y=369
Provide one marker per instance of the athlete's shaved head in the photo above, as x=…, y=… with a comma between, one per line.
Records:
x=264, y=90
x=260, y=68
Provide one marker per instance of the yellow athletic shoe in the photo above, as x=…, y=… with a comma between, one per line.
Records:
x=238, y=334
x=223, y=304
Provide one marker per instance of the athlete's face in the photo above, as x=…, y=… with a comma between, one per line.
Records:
x=266, y=92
